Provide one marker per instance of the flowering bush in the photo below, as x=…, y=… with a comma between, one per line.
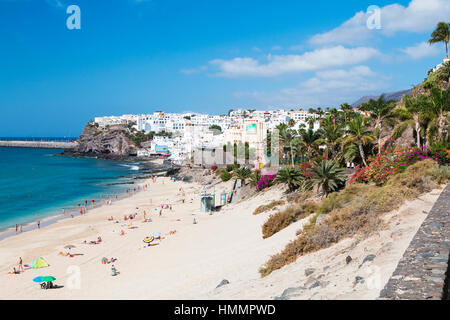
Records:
x=213, y=168
x=266, y=181
x=305, y=167
x=389, y=163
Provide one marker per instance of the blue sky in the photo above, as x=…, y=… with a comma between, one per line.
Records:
x=135, y=56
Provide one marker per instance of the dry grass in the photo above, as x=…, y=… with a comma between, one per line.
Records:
x=268, y=207
x=283, y=219
x=299, y=197
x=357, y=210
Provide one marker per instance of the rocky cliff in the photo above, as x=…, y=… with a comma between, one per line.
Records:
x=110, y=143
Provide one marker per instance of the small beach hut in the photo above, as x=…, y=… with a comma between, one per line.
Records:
x=39, y=263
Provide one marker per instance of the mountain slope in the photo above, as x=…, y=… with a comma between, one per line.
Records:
x=397, y=95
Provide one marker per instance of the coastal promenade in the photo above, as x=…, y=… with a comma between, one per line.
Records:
x=422, y=273
x=39, y=144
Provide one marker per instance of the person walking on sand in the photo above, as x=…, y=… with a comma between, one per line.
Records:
x=20, y=264
x=20, y=228
x=16, y=227
x=39, y=224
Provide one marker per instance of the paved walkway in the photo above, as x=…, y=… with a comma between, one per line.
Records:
x=422, y=273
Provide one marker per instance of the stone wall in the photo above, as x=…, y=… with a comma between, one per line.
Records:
x=422, y=273
x=39, y=144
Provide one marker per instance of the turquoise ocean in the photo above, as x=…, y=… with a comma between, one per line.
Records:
x=36, y=183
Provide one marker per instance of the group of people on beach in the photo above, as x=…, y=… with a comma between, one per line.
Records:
x=19, y=228
x=20, y=267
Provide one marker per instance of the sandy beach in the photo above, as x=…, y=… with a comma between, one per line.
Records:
x=190, y=263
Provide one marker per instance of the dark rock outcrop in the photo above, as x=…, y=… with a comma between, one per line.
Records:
x=109, y=143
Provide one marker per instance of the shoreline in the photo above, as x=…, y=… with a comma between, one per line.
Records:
x=55, y=218
x=114, y=191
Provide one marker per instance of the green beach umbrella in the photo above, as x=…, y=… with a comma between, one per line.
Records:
x=44, y=279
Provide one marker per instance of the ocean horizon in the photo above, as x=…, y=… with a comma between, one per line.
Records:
x=36, y=183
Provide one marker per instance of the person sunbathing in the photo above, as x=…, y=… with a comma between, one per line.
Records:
x=99, y=239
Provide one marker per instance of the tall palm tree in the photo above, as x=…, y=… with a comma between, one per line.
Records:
x=331, y=136
x=441, y=33
x=334, y=114
x=296, y=148
x=381, y=111
x=357, y=133
x=320, y=112
x=310, y=120
x=440, y=108
x=326, y=175
x=308, y=141
x=416, y=107
x=346, y=108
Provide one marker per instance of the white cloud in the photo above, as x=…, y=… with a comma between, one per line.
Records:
x=421, y=50
x=326, y=88
x=194, y=70
x=281, y=64
x=418, y=16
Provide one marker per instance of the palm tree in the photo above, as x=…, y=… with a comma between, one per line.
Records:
x=291, y=123
x=358, y=134
x=416, y=107
x=292, y=176
x=346, y=108
x=320, y=112
x=308, y=141
x=331, y=136
x=440, y=108
x=334, y=113
x=326, y=175
x=381, y=111
x=310, y=120
x=242, y=174
x=441, y=33
x=296, y=148
x=255, y=177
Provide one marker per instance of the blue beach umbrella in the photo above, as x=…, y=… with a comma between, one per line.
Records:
x=44, y=279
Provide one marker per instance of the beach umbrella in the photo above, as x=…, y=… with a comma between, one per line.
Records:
x=69, y=246
x=39, y=263
x=44, y=279
x=148, y=239
x=156, y=234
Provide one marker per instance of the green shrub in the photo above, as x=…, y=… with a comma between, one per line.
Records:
x=225, y=176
